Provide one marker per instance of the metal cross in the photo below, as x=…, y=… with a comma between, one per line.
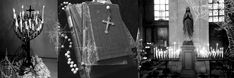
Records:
x=30, y=10
x=108, y=23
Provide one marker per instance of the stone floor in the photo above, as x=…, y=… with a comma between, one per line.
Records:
x=152, y=71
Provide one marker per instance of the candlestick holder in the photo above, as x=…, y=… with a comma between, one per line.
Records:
x=27, y=26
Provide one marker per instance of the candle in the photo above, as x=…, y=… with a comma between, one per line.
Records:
x=30, y=24
x=208, y=45
x=16, y=23
x=36, y=18
x=27, y=28
x=21, y=24
x=34, y=15
x=221, y=52
x=214, y=53
x=165, y=54
x=38, y=28
x=168, y=53
x=174, y=46
x=172, y=53
x=15, y=17
x=155, y=52
x=175, y=54
x=155, y=49
x=33, y=26
x=43, y=14
x=158, y=53
x=22, y=14
x=22, y=7
x=26, y=25
x=162, y=53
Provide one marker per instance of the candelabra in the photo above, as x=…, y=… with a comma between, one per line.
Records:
x=27, y=26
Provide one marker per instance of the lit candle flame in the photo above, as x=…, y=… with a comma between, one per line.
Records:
x=43, y=13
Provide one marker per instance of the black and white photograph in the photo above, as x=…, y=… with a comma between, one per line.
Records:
x=116, y=38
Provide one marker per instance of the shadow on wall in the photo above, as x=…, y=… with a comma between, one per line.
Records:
x=44, y=44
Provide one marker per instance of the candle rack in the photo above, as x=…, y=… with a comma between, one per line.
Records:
x=169, y=53
x=203, y=53
x=27, y=26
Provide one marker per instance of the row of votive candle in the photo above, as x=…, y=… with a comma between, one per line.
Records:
x=202, y=52
x=216, y=53
x=210, y=52
x=160, y=54
x=174, y=53
x=170, y=53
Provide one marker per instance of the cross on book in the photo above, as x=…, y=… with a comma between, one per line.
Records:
x=30, y=10
x=108, y=23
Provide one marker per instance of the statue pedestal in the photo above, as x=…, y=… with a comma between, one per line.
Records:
x=188, y=60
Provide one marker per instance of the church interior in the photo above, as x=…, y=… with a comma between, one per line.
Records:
x=117, y=39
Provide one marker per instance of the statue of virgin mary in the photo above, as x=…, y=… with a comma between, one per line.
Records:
x=188, y=25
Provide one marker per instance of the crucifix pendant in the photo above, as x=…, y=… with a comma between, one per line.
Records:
x=108, y=22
